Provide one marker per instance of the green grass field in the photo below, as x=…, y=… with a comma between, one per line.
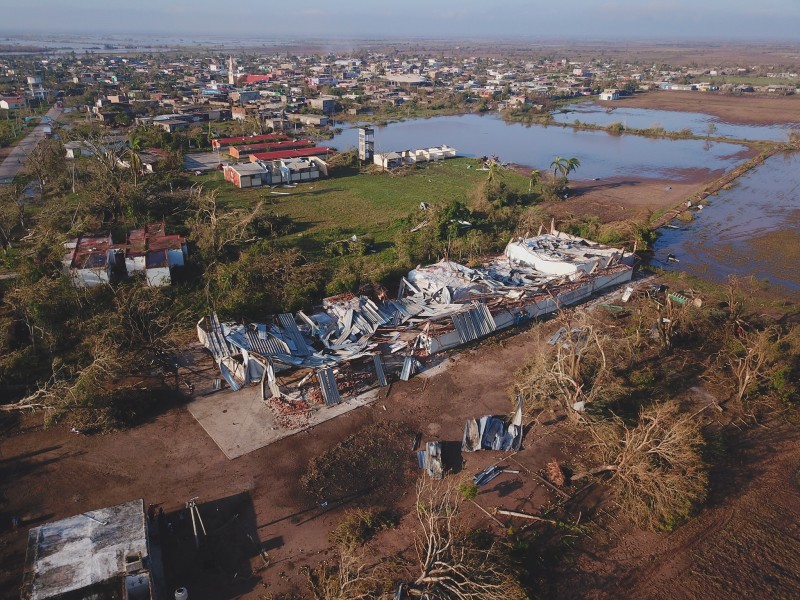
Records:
x=361, y=203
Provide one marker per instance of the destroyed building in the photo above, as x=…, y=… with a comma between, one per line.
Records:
x=438, y=307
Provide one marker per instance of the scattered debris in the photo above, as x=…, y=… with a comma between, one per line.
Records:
x=430, y=459
x=487, y=475
x=555, y=473
x=353, y=342
x=522, y=515
x=490, y=433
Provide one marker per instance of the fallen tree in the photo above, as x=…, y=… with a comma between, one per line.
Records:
x=658, y=474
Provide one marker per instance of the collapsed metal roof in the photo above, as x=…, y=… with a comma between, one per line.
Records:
x=438, y=307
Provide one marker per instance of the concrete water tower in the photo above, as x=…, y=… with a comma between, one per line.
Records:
x=366, y=144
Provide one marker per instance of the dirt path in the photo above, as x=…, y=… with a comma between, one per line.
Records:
x=18, y=154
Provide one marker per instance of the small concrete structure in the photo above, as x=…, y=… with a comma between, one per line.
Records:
x=246, y=175
x=151, y=250
x=98, y=554
x=91, y=260
x=293, y=170
x=608, y=95
x=392, y=160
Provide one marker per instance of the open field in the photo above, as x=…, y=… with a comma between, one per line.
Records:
x=748, y=109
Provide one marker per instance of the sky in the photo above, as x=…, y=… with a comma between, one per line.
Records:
x=371, y=19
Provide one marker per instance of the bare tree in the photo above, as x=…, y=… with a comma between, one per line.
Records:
x=348, y=578
x=45, y=164
x=749, y=358
x=658, y=473
x=450, y=566
x=12, y=213
x=670, y=317
x=214, y=230
x=733, y=297
x=572, y=375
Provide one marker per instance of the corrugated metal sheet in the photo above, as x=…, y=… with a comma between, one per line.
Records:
x=473, y=323
x=376, y=359
x=372, y=313
x=256, y=339
x=410, y=366
x=327, y=383
x=217, y=343
x=289, y=326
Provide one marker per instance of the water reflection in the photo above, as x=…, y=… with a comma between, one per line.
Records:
x=646, y=118
x=751, y=229
x=601, y=155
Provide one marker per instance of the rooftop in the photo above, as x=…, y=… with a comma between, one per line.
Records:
x=290, y=153
x=84, y=550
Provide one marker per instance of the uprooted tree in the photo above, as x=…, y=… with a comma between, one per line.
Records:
x=749, y=356
x=658, y=474
x=451, y=564
x=570, y=372
x=347, y=577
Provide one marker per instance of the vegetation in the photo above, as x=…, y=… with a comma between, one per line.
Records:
x=626, y=389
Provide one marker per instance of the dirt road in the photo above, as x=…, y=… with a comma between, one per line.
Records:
x=19, y=153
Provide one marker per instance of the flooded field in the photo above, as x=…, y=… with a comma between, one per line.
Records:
x=646, y=118
x=753, y=228
x=602, y=155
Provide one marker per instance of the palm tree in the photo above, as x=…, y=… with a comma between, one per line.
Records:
x=534, y=180
x=559, y=165
x=134, y=160
x=571, y=165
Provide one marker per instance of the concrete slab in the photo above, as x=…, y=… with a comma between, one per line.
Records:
x=240, y=422
x=202, y=161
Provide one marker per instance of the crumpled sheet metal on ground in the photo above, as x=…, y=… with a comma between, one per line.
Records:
x=491, y=433
x=430, y=459
x=440, y=306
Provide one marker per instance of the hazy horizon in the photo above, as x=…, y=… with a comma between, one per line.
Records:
x=628, y=20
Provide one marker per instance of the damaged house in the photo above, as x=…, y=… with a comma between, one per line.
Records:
x=93, y=260
x=352, y=342
x=101, y=554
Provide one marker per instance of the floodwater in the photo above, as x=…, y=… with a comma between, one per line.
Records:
x=752, y=228
x=699, y=123
x=602, y=155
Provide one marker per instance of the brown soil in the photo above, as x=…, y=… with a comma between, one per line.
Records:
x=745, y=544
x=749, y=109
x=751, y=525
x=629, y=198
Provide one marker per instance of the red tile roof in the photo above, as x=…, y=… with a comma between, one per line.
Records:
x=290, y=154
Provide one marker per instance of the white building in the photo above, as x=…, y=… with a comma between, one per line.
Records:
x=608, y=95
x=97, y=554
